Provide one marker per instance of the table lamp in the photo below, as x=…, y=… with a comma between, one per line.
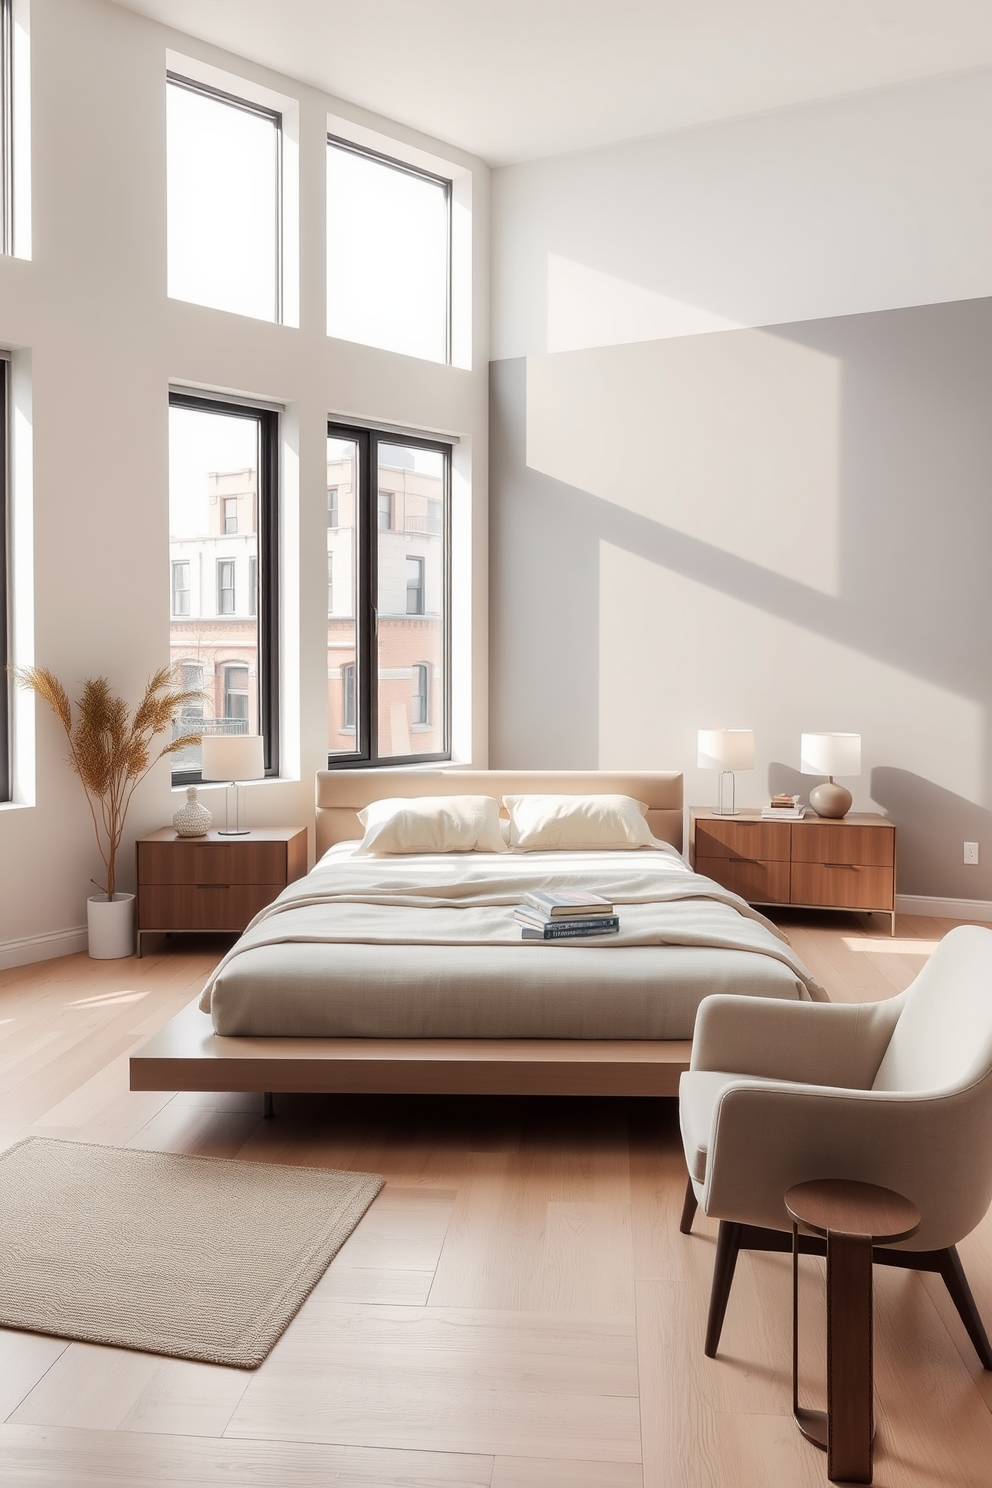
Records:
x=233, y=758
x=726, y=750
x=830, y=755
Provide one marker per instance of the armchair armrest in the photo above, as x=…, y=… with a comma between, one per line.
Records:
x=765, y=1138
x=814, y=1043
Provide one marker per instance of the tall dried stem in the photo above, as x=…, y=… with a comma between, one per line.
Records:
x=111, y=749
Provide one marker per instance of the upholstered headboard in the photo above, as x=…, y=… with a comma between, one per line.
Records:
x=341, y=794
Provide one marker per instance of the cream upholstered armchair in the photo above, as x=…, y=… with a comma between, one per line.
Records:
x=897, y=1093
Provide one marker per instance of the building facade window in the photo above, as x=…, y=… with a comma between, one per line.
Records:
x=333, y=508
x=388, y=637
x=388, y=253
x=192, y=681
x=180, y=587
x=330, y=583
x=414, y=585
x=225, y=586
x=420, y=707
x=5, y=578
x=221, y=453
x=348, y=696
x=236, y=692
x=224, y=173
x=230, y=514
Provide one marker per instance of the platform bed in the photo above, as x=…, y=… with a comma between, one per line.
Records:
x=188, y=1054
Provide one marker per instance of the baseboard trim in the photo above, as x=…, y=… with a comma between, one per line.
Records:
x=42, y=947
x=944, y=909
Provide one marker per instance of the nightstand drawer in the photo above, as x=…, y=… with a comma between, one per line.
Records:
x=210, y=907
x=843, y=842
x=842, y=885
x=759, y=881
x=192, y=863
x=751, y=840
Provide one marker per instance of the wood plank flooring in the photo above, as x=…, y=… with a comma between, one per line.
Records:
x=516, y=1310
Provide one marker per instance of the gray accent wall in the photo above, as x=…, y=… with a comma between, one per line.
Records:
x=786, y=529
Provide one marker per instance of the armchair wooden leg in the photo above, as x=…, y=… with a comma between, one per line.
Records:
x=688, y=1209
x=728, y=1244
x=949, y=1265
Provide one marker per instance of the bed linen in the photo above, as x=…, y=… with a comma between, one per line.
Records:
x=427, y=947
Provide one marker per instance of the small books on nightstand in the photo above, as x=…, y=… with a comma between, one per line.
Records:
x=783, y=808
x=565, y=915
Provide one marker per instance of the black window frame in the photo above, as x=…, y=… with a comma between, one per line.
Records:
x=366, y=752
x=267, y=534
x=6, y=778
x=274, y=116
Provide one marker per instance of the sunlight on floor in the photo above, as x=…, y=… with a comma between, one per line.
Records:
x=108, y=999
x=890, y=947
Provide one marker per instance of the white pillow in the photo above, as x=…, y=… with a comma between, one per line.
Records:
x=430, y=824
x=544, y=823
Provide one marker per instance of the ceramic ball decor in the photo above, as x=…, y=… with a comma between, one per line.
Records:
x=193, y=819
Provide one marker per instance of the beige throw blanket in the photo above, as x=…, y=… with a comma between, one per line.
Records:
x=469, y=899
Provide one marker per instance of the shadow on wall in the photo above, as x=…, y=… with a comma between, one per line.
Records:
x=631, y=602
x=932, y=825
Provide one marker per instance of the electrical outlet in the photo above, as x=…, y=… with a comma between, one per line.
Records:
x=971, y=852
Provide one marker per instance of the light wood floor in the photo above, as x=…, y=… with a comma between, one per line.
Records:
x=516, y=1310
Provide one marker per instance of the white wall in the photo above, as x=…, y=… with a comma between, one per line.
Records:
x=767, y=488
x=100, y=344
x=859, y=204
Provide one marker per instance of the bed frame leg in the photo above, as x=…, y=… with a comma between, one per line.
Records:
x=267, y=1110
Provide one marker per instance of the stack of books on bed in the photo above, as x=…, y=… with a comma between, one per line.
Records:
x=565, y=914
x=783, y=808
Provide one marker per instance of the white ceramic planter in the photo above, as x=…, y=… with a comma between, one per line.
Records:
x=111, y=926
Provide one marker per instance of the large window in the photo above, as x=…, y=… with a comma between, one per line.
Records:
x=223, y=459
x=5, y=779
x=225, y=207
x=388, y=253
x=6, y=128
x=387, y=628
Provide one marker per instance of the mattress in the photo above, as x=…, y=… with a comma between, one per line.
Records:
x=427, y=948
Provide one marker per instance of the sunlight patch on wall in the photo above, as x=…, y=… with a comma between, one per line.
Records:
x=732, y=439
x=589, y=308
x=676, y=655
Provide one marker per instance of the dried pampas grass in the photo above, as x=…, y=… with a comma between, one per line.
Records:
x=110, y=750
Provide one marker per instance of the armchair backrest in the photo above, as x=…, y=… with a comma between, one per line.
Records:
x=943, y=1039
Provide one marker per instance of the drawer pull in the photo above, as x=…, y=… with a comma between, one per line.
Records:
x=211, y=886
x=736, y=859
x=842, y=865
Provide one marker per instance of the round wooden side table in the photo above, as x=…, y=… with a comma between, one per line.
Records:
x=853, y=1217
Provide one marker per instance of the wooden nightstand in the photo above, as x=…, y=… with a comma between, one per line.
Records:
x=815, y=863
x=213, y=882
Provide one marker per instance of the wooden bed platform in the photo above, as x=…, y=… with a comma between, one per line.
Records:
x=188, y=1055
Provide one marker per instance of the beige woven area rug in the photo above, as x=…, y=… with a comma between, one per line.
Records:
x=198, y=1257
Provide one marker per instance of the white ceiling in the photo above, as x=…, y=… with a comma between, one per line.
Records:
x=519, y=79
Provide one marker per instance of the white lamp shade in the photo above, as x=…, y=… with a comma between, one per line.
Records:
x=726, y=749
x=830, y=754
x=233, y=757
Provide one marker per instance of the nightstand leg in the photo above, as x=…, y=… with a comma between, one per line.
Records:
x=267, y=1110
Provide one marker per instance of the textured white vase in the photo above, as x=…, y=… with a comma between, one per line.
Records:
x=110, y=923
x=193, y=819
